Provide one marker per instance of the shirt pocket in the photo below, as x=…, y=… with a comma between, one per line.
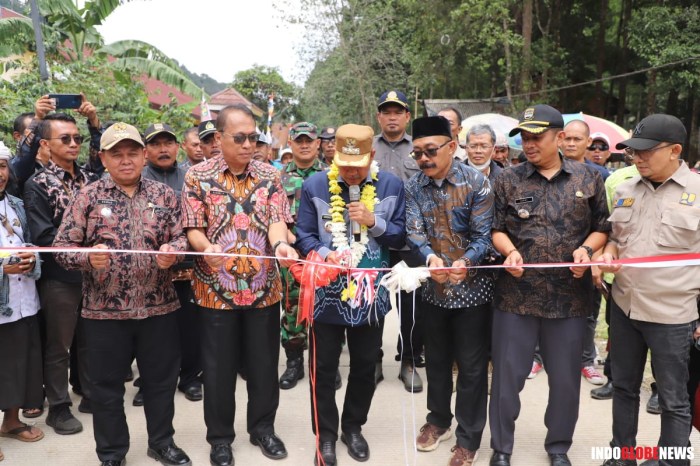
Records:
x=678, y=229
x=622, y=228
x=461, y=218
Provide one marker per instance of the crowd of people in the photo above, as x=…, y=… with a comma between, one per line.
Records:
x=354, y=204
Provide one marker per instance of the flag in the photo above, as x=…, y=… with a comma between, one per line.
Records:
x=206, y=113
x=270, y=112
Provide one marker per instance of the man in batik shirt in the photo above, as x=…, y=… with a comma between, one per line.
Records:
x=128, y=299
x=236, y=205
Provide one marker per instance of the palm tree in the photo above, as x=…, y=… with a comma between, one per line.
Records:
x=71, y=33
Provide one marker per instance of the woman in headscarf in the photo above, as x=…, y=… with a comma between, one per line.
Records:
x=20, y=347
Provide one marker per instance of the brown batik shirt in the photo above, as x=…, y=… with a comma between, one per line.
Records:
x=547, y=220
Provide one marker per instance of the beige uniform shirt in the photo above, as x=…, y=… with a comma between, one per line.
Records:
x=652, y=222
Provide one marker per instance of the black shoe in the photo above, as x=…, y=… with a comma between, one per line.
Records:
x=338, y=380
x=293, y=373
x=559, y=459
x=499, y=459
x=410, y=378
x=121, y=462
x=653, y=403
x=620, y=462
x=378, y=373
x=221, y=455
x=193, y=393
x=271, y=446
x=138, y=399
x=170, y=455
x=85, y=406
x=63, y=421
x=357, y=445
x=327, y=449
x=603, y=393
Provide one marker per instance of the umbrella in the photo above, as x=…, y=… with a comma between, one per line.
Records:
x=599, y=125
x=499, y=123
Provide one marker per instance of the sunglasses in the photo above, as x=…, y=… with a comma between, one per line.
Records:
x=66, y=138
x=600, y=147
x=240, y=138
x=431, y=152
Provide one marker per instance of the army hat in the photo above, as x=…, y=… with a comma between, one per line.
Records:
x=538, y=119
x=353, y=146
x=655, y=129
x=303, y=128
x=119, y=132
x=206, y=128
x=156, y=129
x=393, y=97
x=327, y=133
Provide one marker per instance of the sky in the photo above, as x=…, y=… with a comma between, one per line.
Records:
x=214, y=37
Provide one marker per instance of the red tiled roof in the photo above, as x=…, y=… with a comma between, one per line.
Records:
x=230, y=96
x=7, y=13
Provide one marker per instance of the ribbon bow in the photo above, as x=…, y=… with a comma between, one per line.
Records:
x=311, y=274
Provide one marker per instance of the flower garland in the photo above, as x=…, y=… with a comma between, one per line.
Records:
x=338, y=227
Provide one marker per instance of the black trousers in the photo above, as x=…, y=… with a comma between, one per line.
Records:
x=409, y=345
x=111, y=345
x=513, y=346
x=190, y=347
x=225, y=334
x=459, y=335
x=325, y=342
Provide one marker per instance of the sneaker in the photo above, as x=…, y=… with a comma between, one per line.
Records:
x=592, y=375
x=536, y=368
x=431, y=436
x=63, y=421
x=462, y=456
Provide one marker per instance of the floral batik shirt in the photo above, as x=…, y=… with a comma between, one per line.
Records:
x=235, y=212
x=132, y=286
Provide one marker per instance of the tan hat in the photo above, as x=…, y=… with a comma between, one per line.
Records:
x=353, y=146
x=118, y=132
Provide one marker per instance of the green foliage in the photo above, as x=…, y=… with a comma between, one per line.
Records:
x=259, y=82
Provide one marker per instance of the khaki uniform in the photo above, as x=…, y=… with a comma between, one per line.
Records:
x=651, y=222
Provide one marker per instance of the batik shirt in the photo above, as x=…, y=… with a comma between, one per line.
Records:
x=292, y=179
x=132, y=286
x=388, y=231
x=236, y=212
x=547, y=220
x=46, y=196
x=452, y=219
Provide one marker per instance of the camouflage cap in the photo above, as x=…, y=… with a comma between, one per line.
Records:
x=303, y=128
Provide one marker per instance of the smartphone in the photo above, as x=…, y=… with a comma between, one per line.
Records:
x=67, y=100
x=604, y=290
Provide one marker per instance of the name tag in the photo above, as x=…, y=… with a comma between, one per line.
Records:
x=106, y=202
x=524, y=200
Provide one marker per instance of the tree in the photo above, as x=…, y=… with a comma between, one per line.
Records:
x=260, y=82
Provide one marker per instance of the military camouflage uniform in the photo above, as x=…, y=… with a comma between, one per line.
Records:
x=293, y=335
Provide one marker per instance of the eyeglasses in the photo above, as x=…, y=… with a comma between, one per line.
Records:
x=645, y=155
x=600, y=147
x=66, y=138
x=431, y=152
x=240, y=138
x=483, y=147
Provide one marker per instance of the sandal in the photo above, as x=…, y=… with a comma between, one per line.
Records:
x=31, y=413
x=16, y=433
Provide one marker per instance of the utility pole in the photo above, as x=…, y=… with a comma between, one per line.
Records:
x=38, y=36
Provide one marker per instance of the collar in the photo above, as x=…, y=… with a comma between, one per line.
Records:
x=405, y=138
x=367, y=180
x=680, y=176
x=567, y=166
x=292, y=167
x=222, y=166
x=110, y=184
x=163, y=170
x=61, y=173
x=453, y=174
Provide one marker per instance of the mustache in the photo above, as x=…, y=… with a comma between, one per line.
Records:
x=423, y=166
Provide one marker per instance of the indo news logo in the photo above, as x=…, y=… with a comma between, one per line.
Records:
x=642, y=453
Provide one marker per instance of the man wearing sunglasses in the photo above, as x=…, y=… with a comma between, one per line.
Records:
x=655, y=213
x=449, y=211
x=46, y=196
x=599, y=150
x=548, y=209
x=236, y=205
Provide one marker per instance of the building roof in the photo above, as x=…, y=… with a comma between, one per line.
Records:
x=230, y=96
x=7, y=13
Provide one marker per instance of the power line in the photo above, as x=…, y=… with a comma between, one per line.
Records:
x=607, y=78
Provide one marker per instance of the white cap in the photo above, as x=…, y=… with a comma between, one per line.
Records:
x=601, y=137
x=286, y=150
x=264, y=138
x=4, y=152
x=501, y=140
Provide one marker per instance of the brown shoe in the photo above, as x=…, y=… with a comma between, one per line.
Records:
x=462, y=457
x=431, y=436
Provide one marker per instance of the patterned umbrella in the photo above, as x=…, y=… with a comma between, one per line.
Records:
x=598, y=125
x=499, y=123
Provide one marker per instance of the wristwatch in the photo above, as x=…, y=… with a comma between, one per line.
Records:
x=588, y=249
